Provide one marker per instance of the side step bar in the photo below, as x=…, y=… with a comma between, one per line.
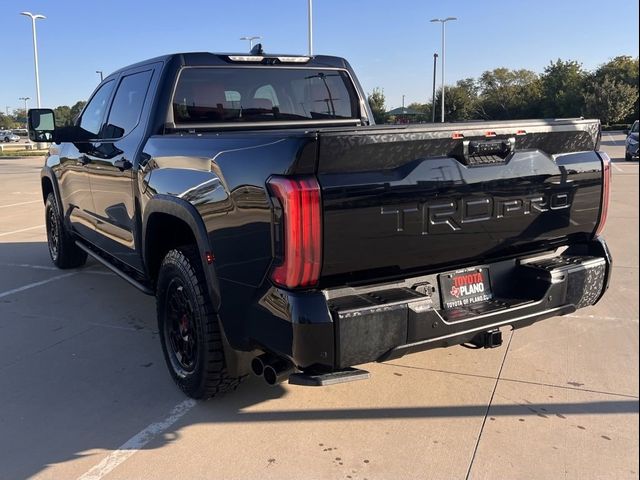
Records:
x=116, y=270
x=324, y=379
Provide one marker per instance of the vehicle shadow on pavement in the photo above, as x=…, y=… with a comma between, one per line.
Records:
x=81, y=367
x=82, y=372
x=231, y=410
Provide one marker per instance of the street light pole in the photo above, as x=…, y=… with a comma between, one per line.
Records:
x=433, y=97
x=250, y=38
x=35, y=48
x=443, y=21
x=310, y=26
x=99, y=72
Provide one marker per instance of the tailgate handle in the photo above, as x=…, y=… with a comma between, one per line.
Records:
x=500, y=148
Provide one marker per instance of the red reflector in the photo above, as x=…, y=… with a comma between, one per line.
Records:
x=606, y=191
x=208, y=256
x=490, y=134
x=457, y=136
x=521, y=132
x=302, y=228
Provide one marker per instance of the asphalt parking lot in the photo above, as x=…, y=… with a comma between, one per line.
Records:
x=84, y=392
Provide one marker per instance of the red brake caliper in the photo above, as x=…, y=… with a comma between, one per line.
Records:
x=184, y=325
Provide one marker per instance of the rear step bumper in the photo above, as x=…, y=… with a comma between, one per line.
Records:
x=331, y=332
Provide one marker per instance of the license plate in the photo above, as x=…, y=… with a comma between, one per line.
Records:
x=465, y=287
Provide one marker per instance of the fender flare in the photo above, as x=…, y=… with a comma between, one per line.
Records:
x=47, y=173
x=186, y=212
x=237, y=362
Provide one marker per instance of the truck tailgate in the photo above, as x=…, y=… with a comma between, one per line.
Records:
x=429, y=197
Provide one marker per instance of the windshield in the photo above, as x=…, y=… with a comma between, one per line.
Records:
x=262, y=94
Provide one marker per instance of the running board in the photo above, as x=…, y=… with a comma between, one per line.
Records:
x=324, y=379
x=116, y=270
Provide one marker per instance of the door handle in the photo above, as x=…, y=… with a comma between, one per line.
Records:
x=83, y=160
x=123, y=164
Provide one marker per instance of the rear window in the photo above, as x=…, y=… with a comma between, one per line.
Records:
x=246, y=94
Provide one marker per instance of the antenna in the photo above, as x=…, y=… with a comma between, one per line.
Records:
x=257, y=49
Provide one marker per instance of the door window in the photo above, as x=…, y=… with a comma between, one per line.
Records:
x=91, y=120
x=127, y=104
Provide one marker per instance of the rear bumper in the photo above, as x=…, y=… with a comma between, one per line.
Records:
x=332, y=330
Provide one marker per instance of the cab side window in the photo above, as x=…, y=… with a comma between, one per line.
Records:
x=127, y=104
x=93, y=114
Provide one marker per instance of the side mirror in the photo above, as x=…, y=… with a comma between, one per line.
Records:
x=42, y=125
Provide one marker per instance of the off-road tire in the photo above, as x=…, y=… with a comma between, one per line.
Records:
x=63, y=251
x=181, y=274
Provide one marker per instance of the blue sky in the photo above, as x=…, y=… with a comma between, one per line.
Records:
x=390, y=43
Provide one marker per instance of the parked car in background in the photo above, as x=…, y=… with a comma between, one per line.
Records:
x=21, y=132
x=631, y=143
x=8, y=136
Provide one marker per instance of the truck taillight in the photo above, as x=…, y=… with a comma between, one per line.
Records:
x=301, y=228
x=606, y=191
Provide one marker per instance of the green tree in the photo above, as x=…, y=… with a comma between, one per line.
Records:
x=7, y=122
x=423, y=108
x=63, y=115
x=20, y=117
x=460, y=101
x=622, y=69
x=76, y=110
x=509, y=94
x=376, y=101
x=563, y=85
x=609, y=100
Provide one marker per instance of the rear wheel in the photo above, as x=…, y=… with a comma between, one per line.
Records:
x=62, y=248
x=6, y=139
x=188, y=327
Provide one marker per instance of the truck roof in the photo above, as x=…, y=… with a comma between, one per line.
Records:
x=219, y=58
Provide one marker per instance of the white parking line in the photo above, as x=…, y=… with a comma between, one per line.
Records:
x=56, y=269
x=35, y=284
x=616, y=167
x=26, y=265
x=21, y=203
x=602, y=317
x=117, y=327
x=137, y=442
x=611, y=139
x=21, y=230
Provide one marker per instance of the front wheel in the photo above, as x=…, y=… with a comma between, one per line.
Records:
x=628, y=157
x=6, y=139
x=188, y=327
x=63, y=251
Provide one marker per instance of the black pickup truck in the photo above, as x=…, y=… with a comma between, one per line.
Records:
x=281, y=231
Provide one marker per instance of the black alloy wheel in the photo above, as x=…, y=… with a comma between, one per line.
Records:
x=53, y=233
x=180, y=331
x=189, y=327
